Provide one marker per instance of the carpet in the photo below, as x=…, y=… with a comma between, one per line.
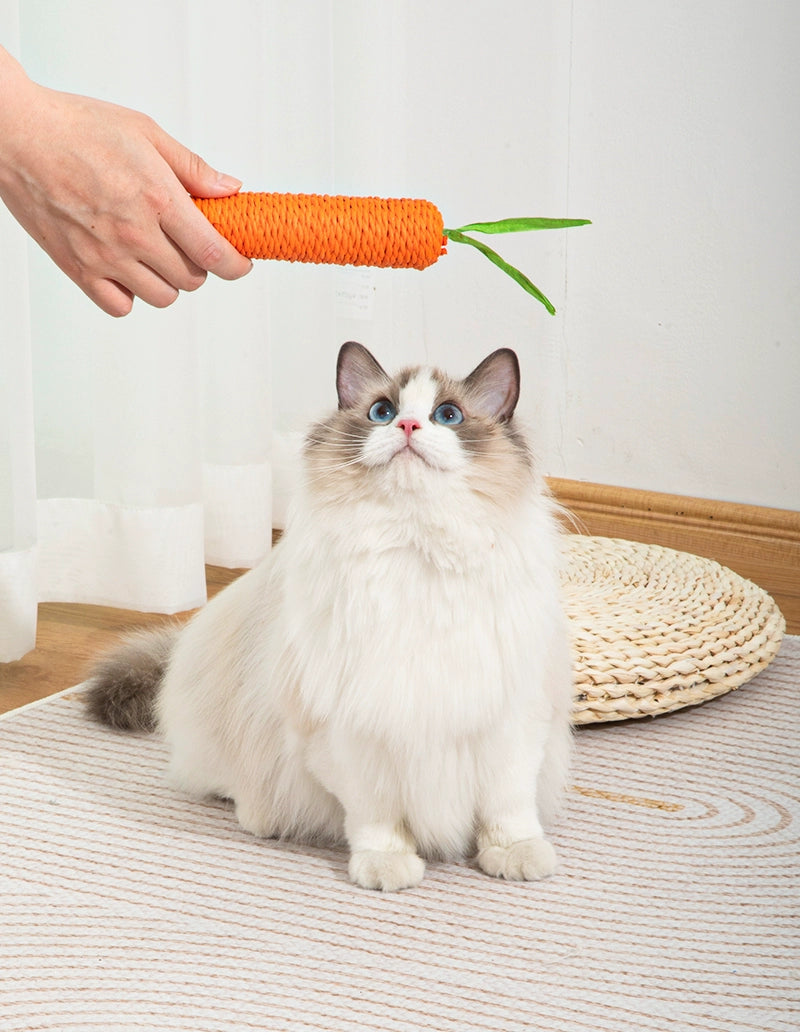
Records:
x=125, y=906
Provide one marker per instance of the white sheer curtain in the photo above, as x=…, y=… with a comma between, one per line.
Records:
x=133, y=451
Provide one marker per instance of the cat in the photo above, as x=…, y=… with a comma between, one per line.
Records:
x=396, y=675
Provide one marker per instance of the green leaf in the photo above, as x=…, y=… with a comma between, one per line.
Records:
x=459, y=238
x=521, y=224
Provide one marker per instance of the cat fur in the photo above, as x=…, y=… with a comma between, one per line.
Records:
x=396, y=675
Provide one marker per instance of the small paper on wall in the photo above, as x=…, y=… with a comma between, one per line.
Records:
x=355, y=292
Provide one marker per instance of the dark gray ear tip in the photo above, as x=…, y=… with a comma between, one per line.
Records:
x=509, y=355
x=345, y=350
x=501, y=355
x=497, y=379
x=510, y=358
x=498, y=359
x=355, y=367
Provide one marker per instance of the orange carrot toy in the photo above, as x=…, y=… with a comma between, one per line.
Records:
x=396, y=232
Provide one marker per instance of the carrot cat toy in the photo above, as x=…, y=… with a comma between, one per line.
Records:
x=396, y=232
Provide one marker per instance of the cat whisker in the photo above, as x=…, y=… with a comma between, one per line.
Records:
x=333, y=442
x=329, y=468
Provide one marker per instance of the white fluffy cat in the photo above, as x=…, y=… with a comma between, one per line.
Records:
x=397, y=672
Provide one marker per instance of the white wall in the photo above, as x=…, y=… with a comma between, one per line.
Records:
x=682, y=330
x=674, y=361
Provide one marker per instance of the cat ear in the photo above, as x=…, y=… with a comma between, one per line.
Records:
x=494, y=384
x=356, y=368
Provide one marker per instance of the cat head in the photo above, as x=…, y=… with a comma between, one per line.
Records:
x=421, y=428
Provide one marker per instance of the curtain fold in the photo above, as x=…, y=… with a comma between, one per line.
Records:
x=134, y=451
x=18, y=551
x=149, y=451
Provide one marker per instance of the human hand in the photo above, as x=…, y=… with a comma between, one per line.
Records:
x=105, y=192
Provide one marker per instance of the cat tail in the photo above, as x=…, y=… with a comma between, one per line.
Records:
x=123, y=686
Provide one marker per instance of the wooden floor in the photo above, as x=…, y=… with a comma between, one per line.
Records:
x=70, y=636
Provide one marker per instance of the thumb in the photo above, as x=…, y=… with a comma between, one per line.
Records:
x=197, y=176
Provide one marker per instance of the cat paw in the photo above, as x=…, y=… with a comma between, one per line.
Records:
x=386, y=871
x=531, y=859
x=253, y=820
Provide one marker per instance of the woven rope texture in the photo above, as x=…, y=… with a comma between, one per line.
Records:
x=396, y=232
x=657, y=629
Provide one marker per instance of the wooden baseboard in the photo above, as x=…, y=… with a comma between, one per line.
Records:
x=760, y=543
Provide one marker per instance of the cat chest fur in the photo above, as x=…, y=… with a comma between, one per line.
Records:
x=400, y=648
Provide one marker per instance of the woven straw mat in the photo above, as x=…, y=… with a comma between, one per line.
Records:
x=656, y=629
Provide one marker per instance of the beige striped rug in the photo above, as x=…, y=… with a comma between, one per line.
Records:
x=124, y=906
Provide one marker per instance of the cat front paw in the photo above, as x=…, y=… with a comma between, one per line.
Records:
x=250, y=817
x=531, y=859
x=385, y=871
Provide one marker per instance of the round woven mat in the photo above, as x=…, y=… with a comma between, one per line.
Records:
x=657, y=629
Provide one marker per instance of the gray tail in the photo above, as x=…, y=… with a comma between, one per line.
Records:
x=123, y=686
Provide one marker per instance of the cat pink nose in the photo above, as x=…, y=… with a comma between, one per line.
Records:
x=408, y=424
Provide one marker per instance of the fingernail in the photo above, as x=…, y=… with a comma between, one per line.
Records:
x=228, y=182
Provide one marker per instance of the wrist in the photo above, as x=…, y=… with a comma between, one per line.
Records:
x=13, y=80
x=17, y=99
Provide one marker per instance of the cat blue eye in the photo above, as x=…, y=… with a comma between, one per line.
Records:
x=382, y=412
x=448, y=414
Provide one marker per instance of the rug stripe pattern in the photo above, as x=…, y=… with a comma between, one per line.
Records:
x=126, y=906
